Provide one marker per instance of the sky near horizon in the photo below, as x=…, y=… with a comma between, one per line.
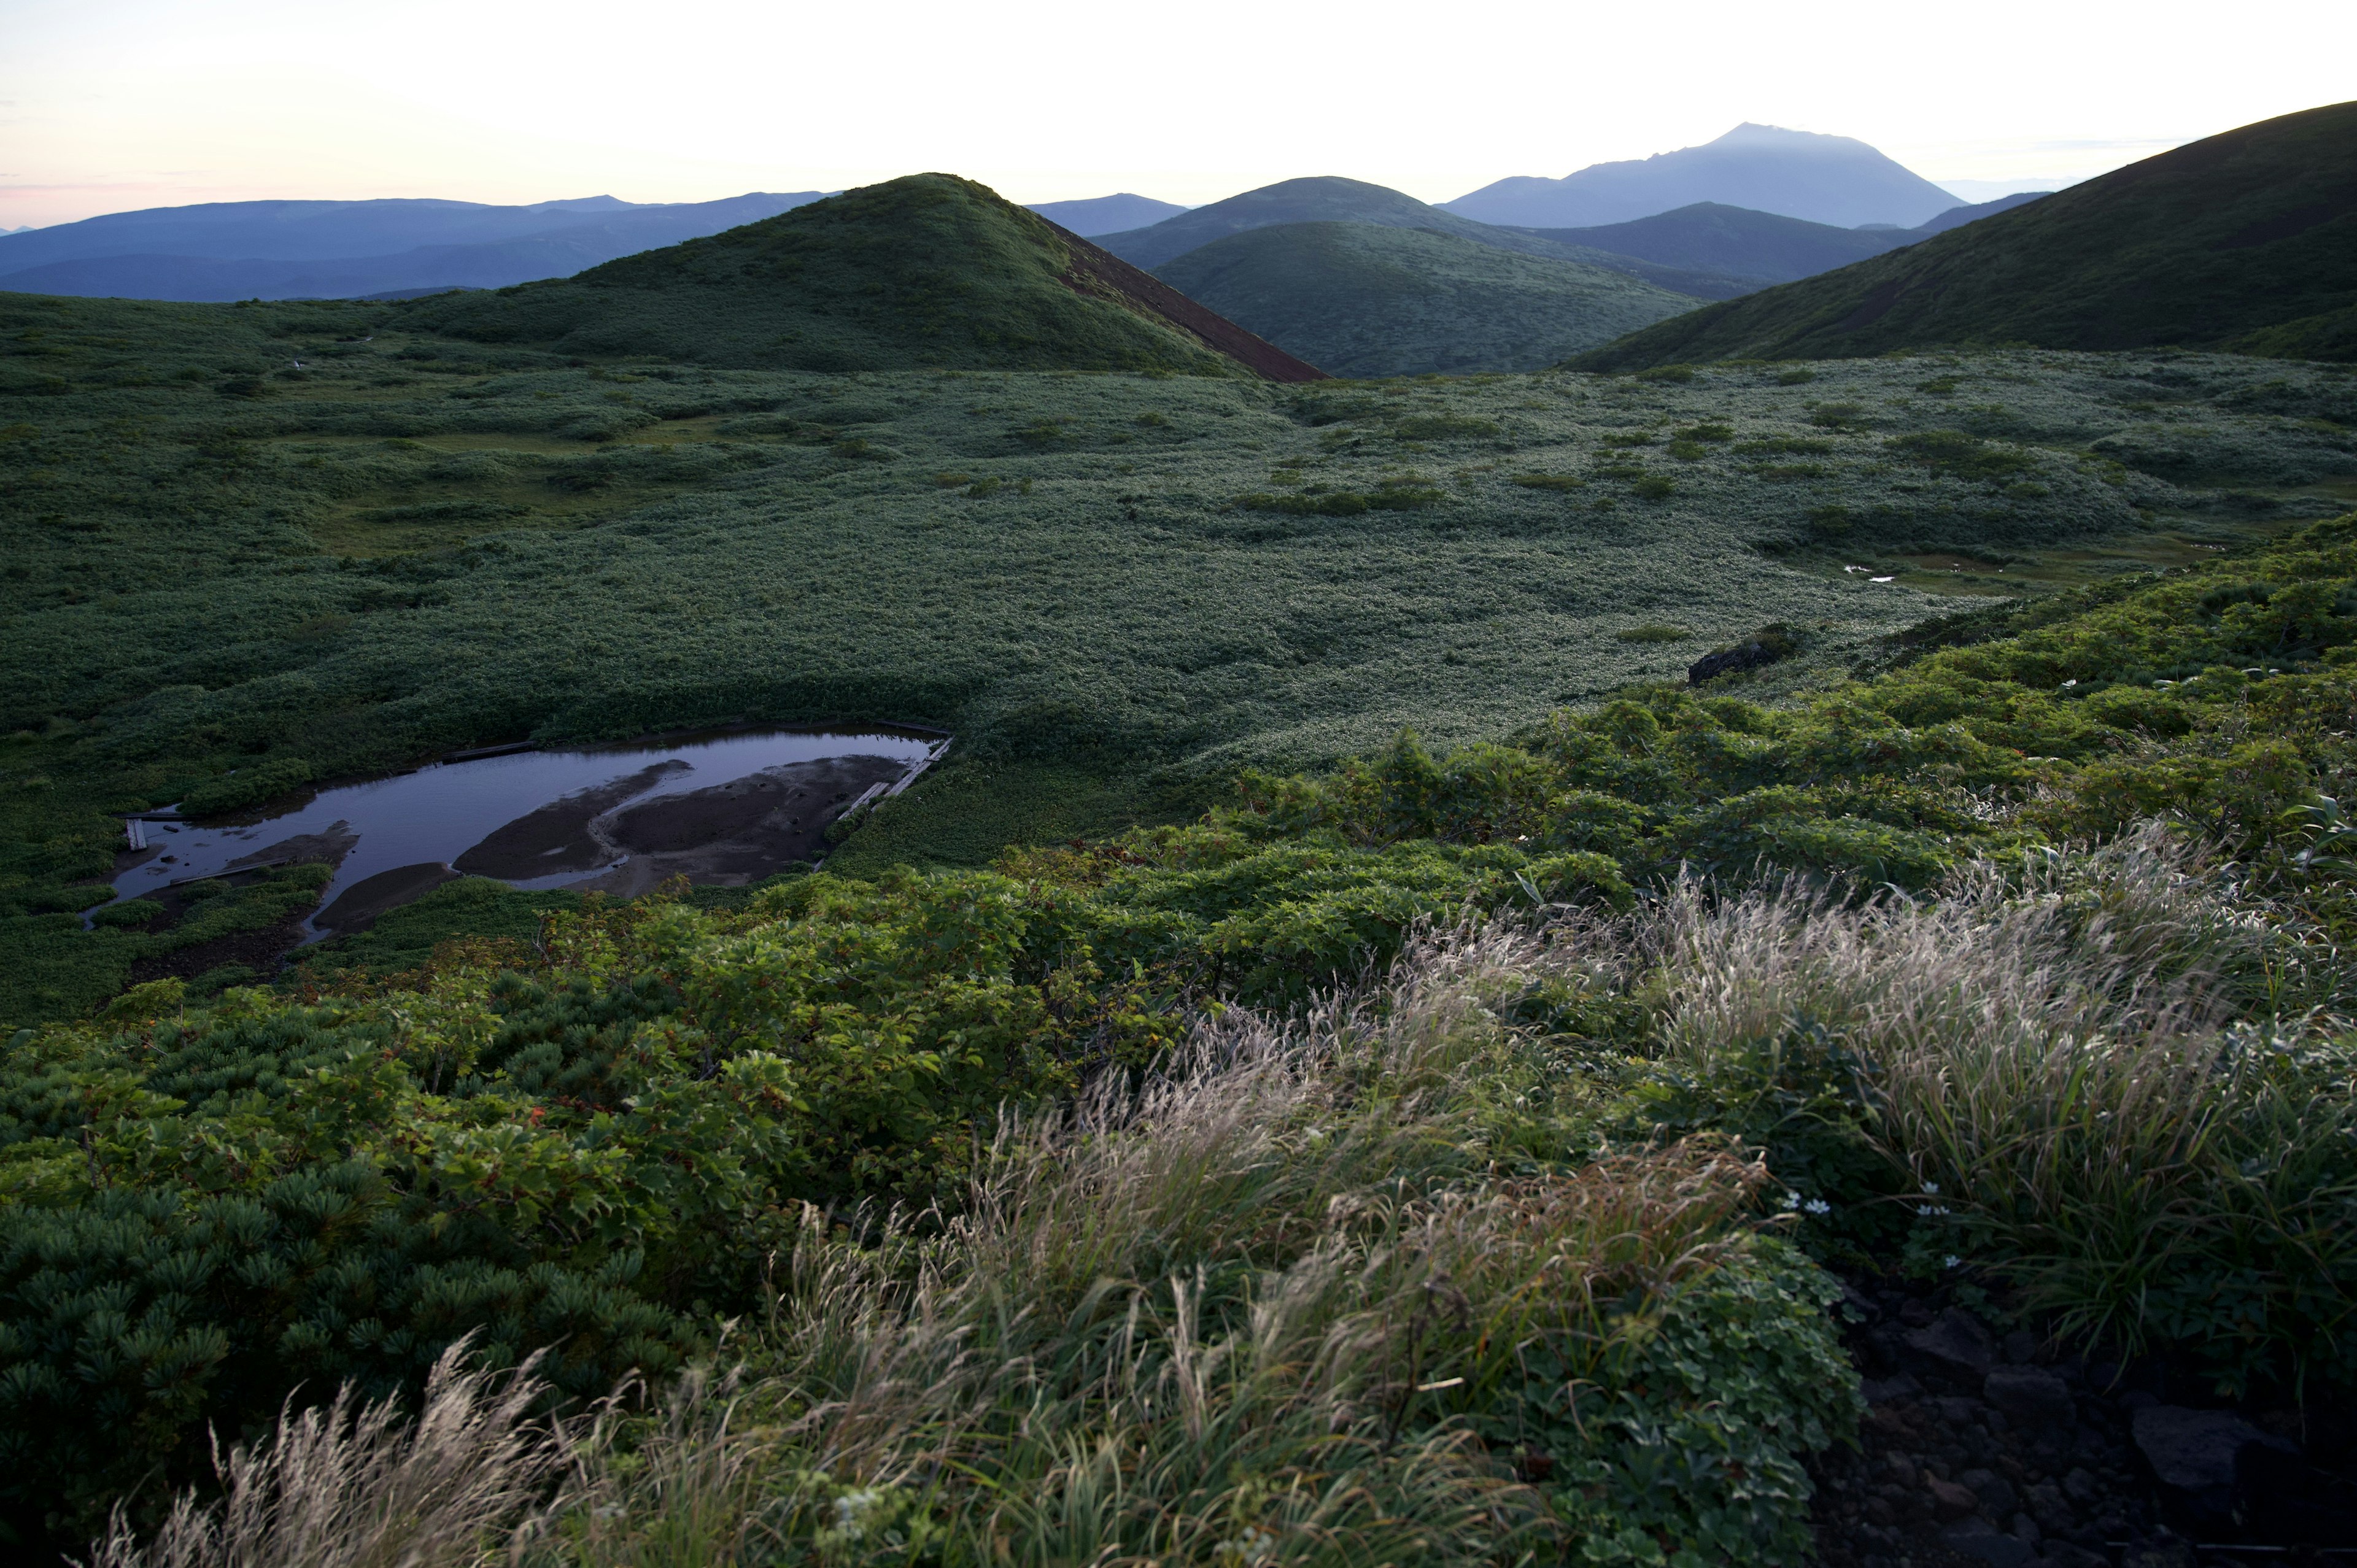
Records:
x=107, y=106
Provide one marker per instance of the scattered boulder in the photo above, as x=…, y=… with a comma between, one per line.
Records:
x=1998, y=1499
x=1766, y=646
x=2062, y=1554
x=1884, y=1391
x=1950, y=1501
x=2031, y=1395
x=1957, y=1342
x=2198, y=1455
x=1979, y=1539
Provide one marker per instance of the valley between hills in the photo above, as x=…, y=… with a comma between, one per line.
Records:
x=1514, y=915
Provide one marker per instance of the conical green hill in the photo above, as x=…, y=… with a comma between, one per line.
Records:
x=926, y=271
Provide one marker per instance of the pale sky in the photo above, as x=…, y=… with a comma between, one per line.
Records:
x=111, y=104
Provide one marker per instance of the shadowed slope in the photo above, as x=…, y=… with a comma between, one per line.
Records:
x=2235, y=235
x=930, y=270
x=1365, y=300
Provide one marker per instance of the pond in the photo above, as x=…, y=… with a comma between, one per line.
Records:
x=723, y=808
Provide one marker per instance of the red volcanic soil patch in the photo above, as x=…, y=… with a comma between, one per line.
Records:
x=1098, y=274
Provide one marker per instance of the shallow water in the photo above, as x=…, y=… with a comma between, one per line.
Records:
x=435, y=815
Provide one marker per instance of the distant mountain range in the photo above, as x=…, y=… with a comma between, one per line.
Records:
x=284, y=250
x=385, y=248
x=1794, y=174
x=2243, y=241
x=1106, y=214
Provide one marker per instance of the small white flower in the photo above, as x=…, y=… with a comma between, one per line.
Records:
x=1818, y=1206
x=1949, y=1261
x=1931, y=1186
x=1791, y=1200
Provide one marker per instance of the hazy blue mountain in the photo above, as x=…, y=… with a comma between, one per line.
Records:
x=279, y=250
x=1106, y=214
x=1797, y=173
x=1957, y=217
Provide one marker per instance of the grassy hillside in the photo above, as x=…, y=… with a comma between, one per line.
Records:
x=1360, y=300
x=1116, y=588
x=930, y=270
x=2237, y=235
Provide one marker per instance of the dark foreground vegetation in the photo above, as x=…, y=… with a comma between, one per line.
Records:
x=1039, y=1232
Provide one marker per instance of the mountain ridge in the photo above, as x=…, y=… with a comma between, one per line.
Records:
x=224, y=251
x=1099, y=215
x=1836, y=180
x=2228, y=242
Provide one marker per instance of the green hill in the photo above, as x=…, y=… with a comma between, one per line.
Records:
x=926, y=271
x=1330, y=199
x=2246, y=240
x=1710, y=236
x=1362, y=300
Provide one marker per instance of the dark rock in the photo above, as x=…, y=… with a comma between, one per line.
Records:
x=1915, y=1313
x=2159, y=1554
x=2080, y=1487
x=2020, y=1347
x=1765, y=646
x=2046, y=1507
x=2026, y=1529
x=1883, y=1391
x=1957, y=1411
x=1950, y=1501
x=1996, y=1495
x=1956, y=1342
x=2198, y=1456
x=2032, y=1397
x=2062, y=1554
x=1978, y=1538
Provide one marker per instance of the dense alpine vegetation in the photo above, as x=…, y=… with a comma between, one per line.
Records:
x=609, y=1138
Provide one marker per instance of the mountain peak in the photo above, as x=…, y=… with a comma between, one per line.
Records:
x=1836, y=180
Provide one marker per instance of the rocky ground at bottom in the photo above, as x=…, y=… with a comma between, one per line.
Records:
x=1983, y=1449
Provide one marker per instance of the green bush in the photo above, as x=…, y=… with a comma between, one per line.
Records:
x=247, y=787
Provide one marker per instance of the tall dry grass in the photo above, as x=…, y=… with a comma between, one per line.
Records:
x=348, y=1485
x=2086, y=1063
x=1239, y=1313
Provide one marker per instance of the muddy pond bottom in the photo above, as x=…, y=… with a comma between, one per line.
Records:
x=721, y=808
